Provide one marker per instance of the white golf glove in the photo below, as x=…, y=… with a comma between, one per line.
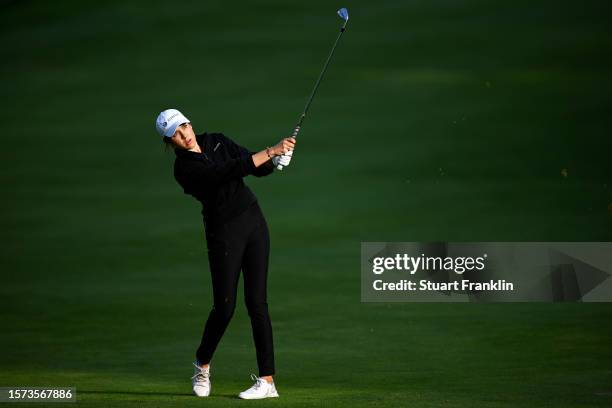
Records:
x=283, y=160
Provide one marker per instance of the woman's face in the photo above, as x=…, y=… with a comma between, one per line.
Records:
x=184, y=138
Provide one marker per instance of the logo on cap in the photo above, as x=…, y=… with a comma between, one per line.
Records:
x=165, y=124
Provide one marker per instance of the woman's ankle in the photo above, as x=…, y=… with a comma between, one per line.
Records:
x=201, y=365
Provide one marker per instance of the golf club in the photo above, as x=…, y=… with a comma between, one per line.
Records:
x=343, y=13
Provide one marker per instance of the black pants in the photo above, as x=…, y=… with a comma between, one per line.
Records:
x=242, y=243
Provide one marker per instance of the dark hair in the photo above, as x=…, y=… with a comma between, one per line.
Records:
x=167, y=143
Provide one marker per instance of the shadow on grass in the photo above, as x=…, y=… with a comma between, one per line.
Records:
x=144, y=393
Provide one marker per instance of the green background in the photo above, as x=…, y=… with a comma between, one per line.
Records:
x=438, y=120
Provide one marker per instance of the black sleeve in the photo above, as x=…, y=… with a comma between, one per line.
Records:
x=239, y=151
x=264, y=170
x=196, y=172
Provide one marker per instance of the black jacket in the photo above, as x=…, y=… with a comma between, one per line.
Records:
x=214, y=177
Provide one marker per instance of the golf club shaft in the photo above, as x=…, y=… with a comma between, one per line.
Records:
x=314, y=91
x=297, y=128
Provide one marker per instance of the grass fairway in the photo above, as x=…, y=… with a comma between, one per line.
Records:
x=438, y=120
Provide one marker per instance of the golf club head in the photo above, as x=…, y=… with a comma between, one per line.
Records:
x=343, y=13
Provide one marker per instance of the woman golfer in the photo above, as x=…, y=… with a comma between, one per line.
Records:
x=211, y=167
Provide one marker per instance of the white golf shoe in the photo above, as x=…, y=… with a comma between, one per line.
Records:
x=261, y=389
x=201, y=380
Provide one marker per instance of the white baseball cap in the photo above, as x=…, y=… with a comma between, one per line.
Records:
x=168, y=121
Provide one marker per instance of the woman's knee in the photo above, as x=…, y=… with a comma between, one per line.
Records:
x=225, y=310
x=256, y=307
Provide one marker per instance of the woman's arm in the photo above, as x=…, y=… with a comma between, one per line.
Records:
x=192, y=173
x=261, y=169
x=279, y=149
